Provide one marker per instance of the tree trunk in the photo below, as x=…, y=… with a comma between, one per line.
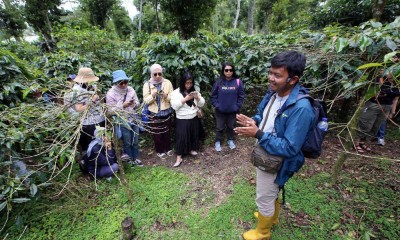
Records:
x=265, y=26
x=128, y=229
x=50, y=29
x=250, y=18
x=237, y=15
x=157, y=19
x=377, y=9
x=343, y=156
x=124, y=181
x=140, y=16
x=47, y=40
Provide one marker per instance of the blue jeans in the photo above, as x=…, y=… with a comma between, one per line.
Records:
x=130, y=141
x=382, y=129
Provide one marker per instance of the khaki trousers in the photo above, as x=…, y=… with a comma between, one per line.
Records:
x=266, y=192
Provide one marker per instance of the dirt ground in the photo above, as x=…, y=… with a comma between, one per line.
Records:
x=220, y=169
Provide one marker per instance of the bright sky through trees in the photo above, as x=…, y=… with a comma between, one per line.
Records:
x=127, y=4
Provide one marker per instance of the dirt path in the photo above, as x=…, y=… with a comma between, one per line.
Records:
x=214, y=173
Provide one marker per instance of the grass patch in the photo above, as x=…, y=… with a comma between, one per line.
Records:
x=167, y=206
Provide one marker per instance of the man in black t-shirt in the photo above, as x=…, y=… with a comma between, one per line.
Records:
x=376, y=110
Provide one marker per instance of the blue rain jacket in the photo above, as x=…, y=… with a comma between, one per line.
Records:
x=292, y=124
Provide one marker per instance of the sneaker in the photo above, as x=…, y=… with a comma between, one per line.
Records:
x=231, y=144
x=125, y=157
x=132, y=164
x=109, y=179
x=170, y=153
x=218, y=146
x=138, y=163
x=162, y=155
x=381, y=141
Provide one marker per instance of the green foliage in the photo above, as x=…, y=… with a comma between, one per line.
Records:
x=42, y=14
x=153, y=20
x=188, y=16
x=15, y=76
x=351, y=12
x=11, y=19
x=122, y=22
x=98, y=11
x=224, y=16
x=263, y=15
x=289, y=15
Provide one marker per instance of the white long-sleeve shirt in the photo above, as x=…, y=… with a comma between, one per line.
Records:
x=182, y=110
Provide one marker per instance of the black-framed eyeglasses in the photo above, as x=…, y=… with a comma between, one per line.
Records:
x=159, y=74
x=123, y=82
x=228, y=70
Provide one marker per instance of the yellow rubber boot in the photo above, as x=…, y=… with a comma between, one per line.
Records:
x=262, y=231
x=275, y=217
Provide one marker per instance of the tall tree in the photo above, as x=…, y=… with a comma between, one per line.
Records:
x=354, y=12
x=237, y=14
x=12, y=22
x=264, y=13
x=156, y=3
x=122, y=22
x=99, y=11
x=41, y=14
x=250, y=18
x=188, y=15
x=140, y=15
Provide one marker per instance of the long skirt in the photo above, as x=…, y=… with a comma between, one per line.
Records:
x=186, y=135
x=161, y=132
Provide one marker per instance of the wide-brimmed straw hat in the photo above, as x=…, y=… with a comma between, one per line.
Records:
x=86, y=75
x=120, y=75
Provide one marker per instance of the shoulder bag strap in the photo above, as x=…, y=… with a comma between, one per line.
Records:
x=269, y=109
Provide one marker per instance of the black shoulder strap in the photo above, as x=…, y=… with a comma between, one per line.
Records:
x=299, y=97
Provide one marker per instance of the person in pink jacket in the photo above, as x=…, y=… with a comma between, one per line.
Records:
x=122, y=101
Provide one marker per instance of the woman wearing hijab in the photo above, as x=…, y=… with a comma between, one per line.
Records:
x=186, y=102
x=157, y=96
x=100, y=157
x=123, y=102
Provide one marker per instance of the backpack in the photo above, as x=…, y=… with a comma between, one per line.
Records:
x=312, y=147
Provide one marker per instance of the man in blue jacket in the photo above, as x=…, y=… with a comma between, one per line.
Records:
x=281, y=133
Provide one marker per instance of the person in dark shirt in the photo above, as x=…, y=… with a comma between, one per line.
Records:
x=376, y=111
x=227, y=98
x=100, y=159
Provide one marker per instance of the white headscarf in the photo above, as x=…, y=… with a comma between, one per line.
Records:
x=94, y=142
x=153, y=69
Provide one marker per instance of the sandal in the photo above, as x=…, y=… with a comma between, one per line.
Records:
x=359, y=149
x=178, y=161
x=365, y=147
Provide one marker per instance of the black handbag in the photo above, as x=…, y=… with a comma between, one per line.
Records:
x=261, y=158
